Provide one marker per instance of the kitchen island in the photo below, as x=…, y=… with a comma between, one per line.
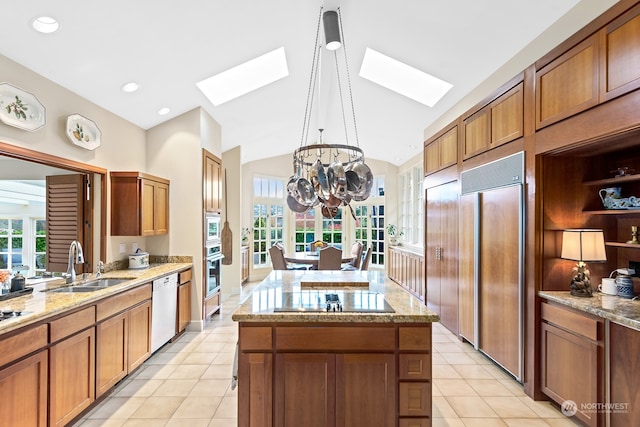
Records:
x=333, y=348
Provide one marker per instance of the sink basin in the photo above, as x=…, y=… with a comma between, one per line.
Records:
x=103, y=283
x=76, y=289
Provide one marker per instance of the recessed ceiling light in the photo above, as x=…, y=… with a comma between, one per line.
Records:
x=130, y=87
x=45, y=24
x=246, y=77
x=402, y=78
x=164, y=111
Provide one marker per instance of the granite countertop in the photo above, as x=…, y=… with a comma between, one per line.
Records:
x=616, y=309
x=42, y=304
x=260, y=304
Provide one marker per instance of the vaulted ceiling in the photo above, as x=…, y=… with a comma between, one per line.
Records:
x=168, y=46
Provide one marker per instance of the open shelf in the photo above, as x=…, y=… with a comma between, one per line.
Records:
x=614, y=212
x=622, y=245
x=619, y=180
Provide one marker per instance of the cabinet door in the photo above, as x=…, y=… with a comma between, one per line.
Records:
x=507, y=117
x=147, y=216
x=568, y=85
x=139, y=344
x=305, y=390
x=477, y=133
x=449, y=256
x=449, y=148
x=570, y=369
x=161, y=208
x=625, y=375
x=433, y=248
x=255, y=390
x=23, y=402
x=432, y=157
x=72, y=377
x=373, y=405
x=467, y=267
x=184, y=306
x=620, y=67
x=212, y=183
x=111, y=352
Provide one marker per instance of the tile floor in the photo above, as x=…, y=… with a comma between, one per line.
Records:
x=187, y=383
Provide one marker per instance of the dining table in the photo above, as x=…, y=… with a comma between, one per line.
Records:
x=311, y=258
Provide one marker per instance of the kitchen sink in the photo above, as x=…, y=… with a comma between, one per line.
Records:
x=76, y=289
x=90, y=286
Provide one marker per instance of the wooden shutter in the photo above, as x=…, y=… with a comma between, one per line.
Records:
x=65, y=219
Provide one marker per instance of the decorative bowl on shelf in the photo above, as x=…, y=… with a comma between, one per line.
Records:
x=623, y=171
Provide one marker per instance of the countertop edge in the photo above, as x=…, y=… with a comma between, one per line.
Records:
x=334, y=318
x=594, y=306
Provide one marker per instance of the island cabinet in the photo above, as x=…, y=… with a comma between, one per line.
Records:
x=123, y=336
x=572, y=347
x=139, y=204
x=441, y=152
x=184, y=300
x=71, y=365
x=24, y=377
x=406, y=268
x=334, y=375
x=497, y=123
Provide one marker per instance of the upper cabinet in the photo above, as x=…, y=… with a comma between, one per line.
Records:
x=497, y=123
x=441, y=152
x=212, y=182
x=139, y=204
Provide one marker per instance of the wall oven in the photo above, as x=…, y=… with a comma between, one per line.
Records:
x=212, y=267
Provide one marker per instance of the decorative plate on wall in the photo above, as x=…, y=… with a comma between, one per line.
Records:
x=20, y=109
x=83, y=132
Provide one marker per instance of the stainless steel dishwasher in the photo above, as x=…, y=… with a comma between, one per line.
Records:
x=163, y=310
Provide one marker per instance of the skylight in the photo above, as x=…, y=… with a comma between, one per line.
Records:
x=402, y=78
x=246, y=77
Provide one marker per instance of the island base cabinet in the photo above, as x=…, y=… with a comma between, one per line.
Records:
x=255, y=390
x=624, y=375
x=28, y=408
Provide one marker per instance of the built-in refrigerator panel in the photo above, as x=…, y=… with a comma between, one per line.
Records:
x=491, y=260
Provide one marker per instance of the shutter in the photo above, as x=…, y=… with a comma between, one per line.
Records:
x=65, y=214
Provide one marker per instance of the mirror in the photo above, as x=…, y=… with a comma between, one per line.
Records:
x=22, y=207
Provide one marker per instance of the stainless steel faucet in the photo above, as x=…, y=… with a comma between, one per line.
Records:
x=99, y=269
x=75, y=257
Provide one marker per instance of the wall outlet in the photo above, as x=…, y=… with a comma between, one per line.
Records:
x=123, y=248
x=635, y=265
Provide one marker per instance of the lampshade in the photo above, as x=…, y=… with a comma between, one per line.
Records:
x=331, y=30
x=583, y=245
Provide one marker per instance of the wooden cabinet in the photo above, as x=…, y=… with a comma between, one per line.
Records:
x=212, y=182
x=568, y=85
x=441, y=253
x=244, y=257
x=406, y=268
x=72, y=367
x=139, y=204
x=24, y=382
x=441, y=152
x=572, y=359
x=620, y=55
x=624, y=375
x=123, y=336
x=499, y=122
x=344, y=376
x=184, y=300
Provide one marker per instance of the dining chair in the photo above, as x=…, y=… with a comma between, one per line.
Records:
x=356, y=253
x=276, y=252
x=330, y=258
x=367, y=258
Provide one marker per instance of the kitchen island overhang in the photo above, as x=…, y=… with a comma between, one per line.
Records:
x=313, y=367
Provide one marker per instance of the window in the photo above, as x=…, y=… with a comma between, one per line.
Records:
x=332, y=230
x=370, y=223
x=305, y=230
x=11, y=242
x=412, y=206
x=40, y=238
x=268, y=218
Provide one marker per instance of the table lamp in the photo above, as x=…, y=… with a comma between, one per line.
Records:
x=583, y=245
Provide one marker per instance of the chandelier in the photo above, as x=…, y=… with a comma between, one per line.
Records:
x=328, y=175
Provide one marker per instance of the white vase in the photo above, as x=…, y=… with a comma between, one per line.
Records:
x=393, y=240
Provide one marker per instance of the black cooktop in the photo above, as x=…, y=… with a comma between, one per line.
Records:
x=317, y=301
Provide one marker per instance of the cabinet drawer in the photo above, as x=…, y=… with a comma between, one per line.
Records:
x=415, y=399
x=335, y=338
x=415, y=366
x=577, y=323
x=415, y=338
x=255, y=338
x=72, y=323
x=185, y=276
x=121, y=302
x=415, y=422
x=22, y=344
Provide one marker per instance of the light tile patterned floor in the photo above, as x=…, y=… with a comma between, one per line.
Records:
x=188, y=383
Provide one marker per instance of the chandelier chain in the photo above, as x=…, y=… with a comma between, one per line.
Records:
x=311, y=89
x=344, y=48
x=344, y=118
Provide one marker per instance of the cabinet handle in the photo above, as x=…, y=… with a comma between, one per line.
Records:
x=438, y=253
